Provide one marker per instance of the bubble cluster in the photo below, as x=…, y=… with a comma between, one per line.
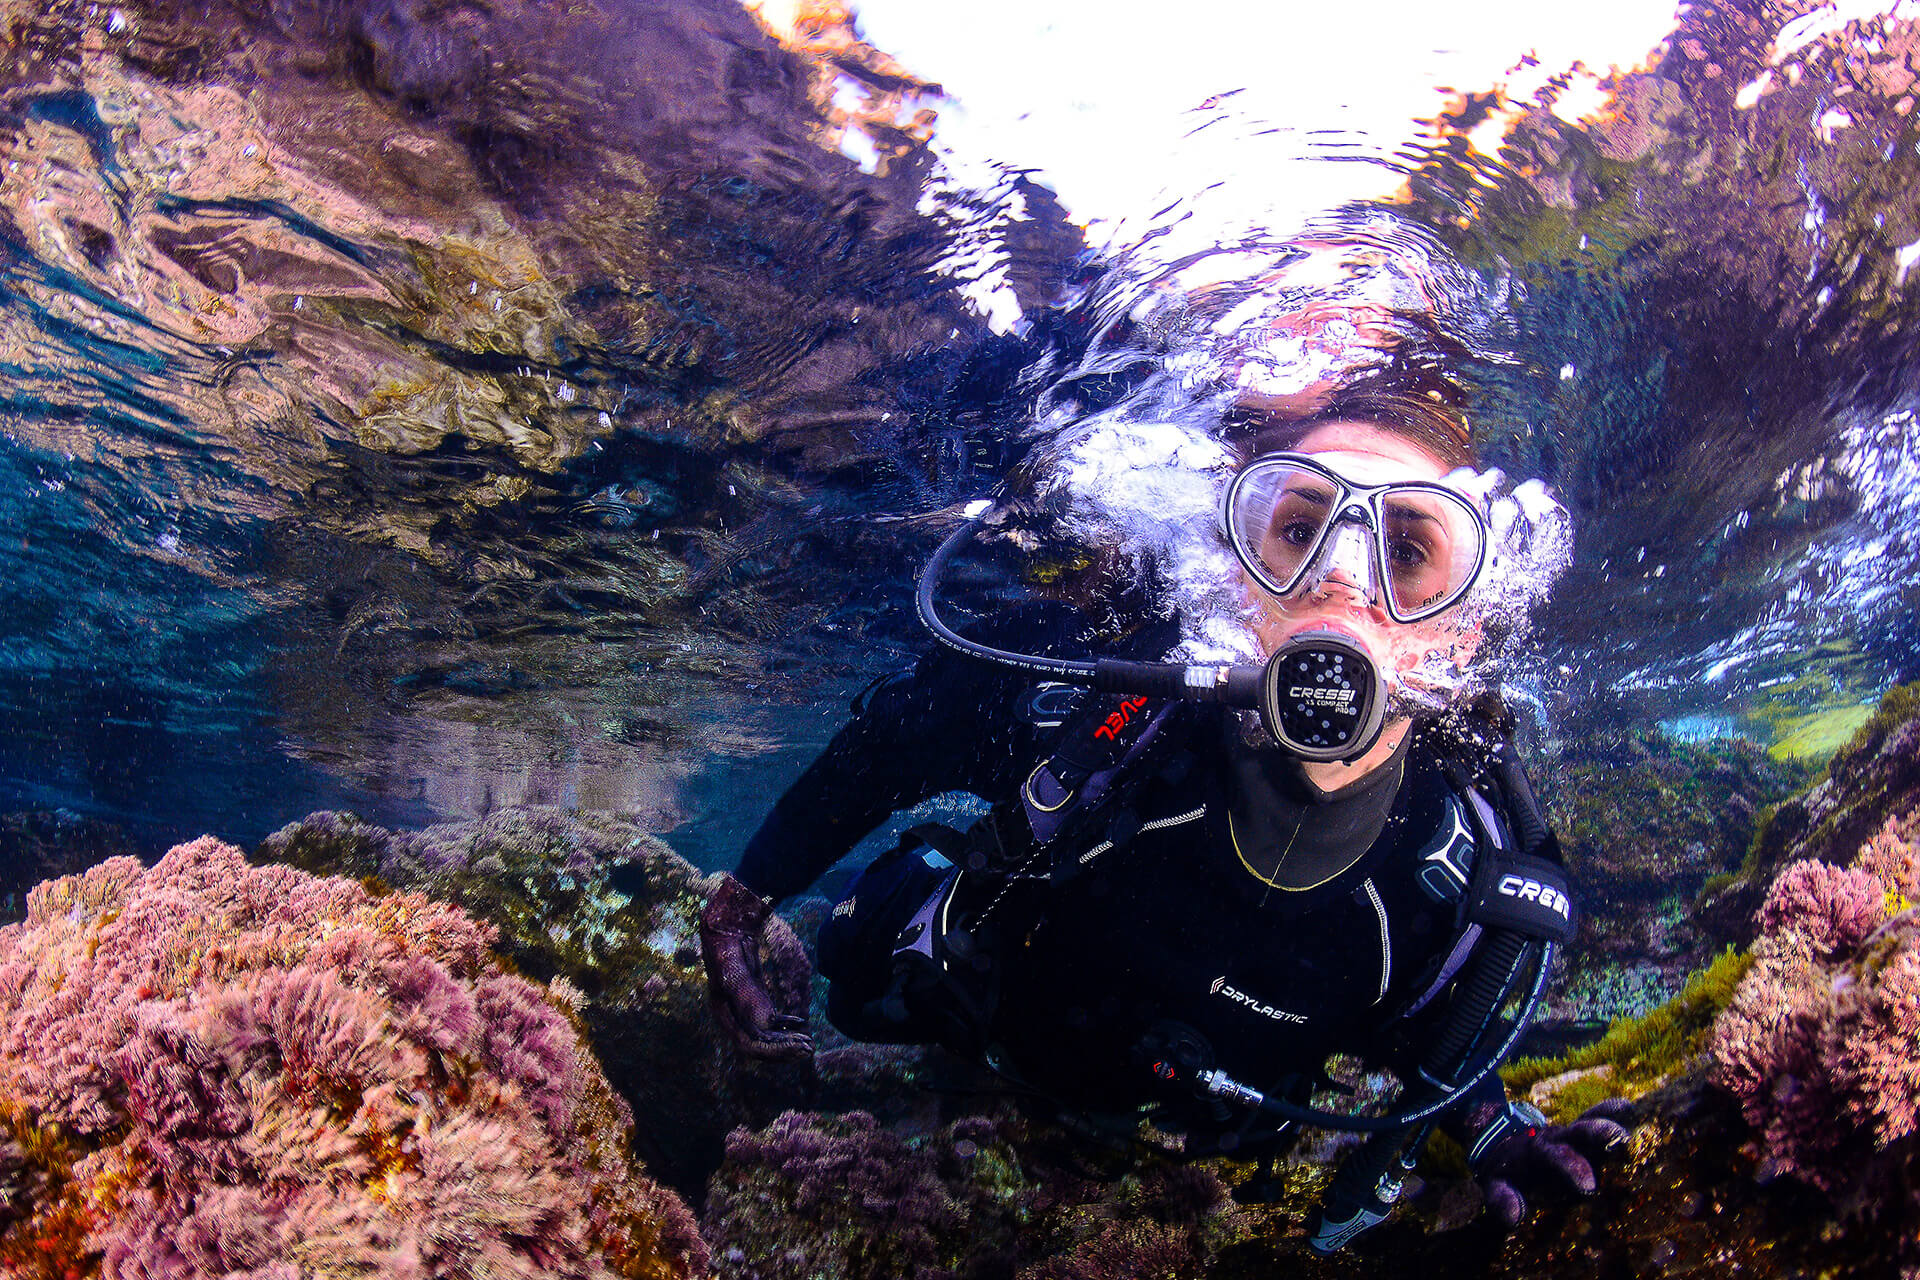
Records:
x=1145, y=477
x=1152, y=489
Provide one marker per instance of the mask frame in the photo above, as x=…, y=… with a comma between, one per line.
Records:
x=1353, y=504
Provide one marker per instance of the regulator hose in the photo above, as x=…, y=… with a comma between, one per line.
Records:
x=1241, y=687
x=1220, y=1085
x=1319, y=694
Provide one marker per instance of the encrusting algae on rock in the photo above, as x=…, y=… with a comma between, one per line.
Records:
x=1874, y=777
x=209, y=1068
x=598, y=902
x=1822, y=1042
x=840, y=1197
x=1644, y=823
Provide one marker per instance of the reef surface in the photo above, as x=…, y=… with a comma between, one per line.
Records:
x=247, y=1032
x=208, y=1067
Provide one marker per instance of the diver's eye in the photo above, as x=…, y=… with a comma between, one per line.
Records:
x=1407, y=553
x=1297, y=533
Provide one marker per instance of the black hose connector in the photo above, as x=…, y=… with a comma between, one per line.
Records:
x=1240, y=686
x=1530, y=825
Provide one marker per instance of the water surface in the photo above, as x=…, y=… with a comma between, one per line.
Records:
x=425, y=415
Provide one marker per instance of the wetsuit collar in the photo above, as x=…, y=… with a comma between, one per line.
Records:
x=1292, y=835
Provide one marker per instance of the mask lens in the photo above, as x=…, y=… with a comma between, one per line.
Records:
x=1431, y=547
x=1277, y=520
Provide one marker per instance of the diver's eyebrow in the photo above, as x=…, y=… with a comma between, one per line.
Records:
x=1312, y=490
x=1412, y=513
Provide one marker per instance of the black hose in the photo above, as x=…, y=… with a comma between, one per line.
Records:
x=1449, y=1097
x=1081, y=673
x=1241, y=688
x=1485, y=988
x=1530, y=824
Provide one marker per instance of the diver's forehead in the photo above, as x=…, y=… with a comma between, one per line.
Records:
x=1369, y=467
x=1367, y=453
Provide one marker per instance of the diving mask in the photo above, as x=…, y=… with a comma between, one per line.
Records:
x=1412, y=547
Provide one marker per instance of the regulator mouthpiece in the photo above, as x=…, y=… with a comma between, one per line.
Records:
x=1322, y=697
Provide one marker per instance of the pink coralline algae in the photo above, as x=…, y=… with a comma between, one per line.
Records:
x=1828, y=909
x=1821, y=1043
x=211, y=1068
x=840, y=1197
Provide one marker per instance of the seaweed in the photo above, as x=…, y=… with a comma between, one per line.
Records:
x=1635, y=1054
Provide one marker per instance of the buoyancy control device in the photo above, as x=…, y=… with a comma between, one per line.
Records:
x=1322, y=698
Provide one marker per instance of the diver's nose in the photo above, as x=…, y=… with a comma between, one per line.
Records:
x=1344, y=566
x=1340, y=584
x=1342, y=577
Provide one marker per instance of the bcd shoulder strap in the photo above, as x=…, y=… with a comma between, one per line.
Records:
x=1526, y=889
x=1090, y=755
x=1528, y=895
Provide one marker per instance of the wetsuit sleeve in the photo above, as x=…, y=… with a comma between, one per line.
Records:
x=946, y=726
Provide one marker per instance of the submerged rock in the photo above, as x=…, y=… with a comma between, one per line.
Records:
x=45, y=844
x=596, y=901
x=1645, y=822
x=1874, y=777
x=839, y=1197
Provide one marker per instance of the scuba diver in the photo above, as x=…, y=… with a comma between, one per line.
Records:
x=1197, y=882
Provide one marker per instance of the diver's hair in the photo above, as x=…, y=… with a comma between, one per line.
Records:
x=1424, y=417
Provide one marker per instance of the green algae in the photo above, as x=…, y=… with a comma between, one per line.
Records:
x=1781, y=828
x=1638, y=1053
x=1810, y=717
x=1899, y=705
x=1644, y=819
x=1717, y=884
x=1817, y=736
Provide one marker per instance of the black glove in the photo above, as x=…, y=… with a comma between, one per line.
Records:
x=730, y=929
x=1515, y=1153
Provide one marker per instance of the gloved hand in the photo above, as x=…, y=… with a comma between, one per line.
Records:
x=730, y=929
x=1515, y=1153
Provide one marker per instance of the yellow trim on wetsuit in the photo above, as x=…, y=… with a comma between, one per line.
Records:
x=1234, y=838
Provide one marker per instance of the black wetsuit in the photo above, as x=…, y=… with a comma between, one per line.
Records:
x=1222, y=892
